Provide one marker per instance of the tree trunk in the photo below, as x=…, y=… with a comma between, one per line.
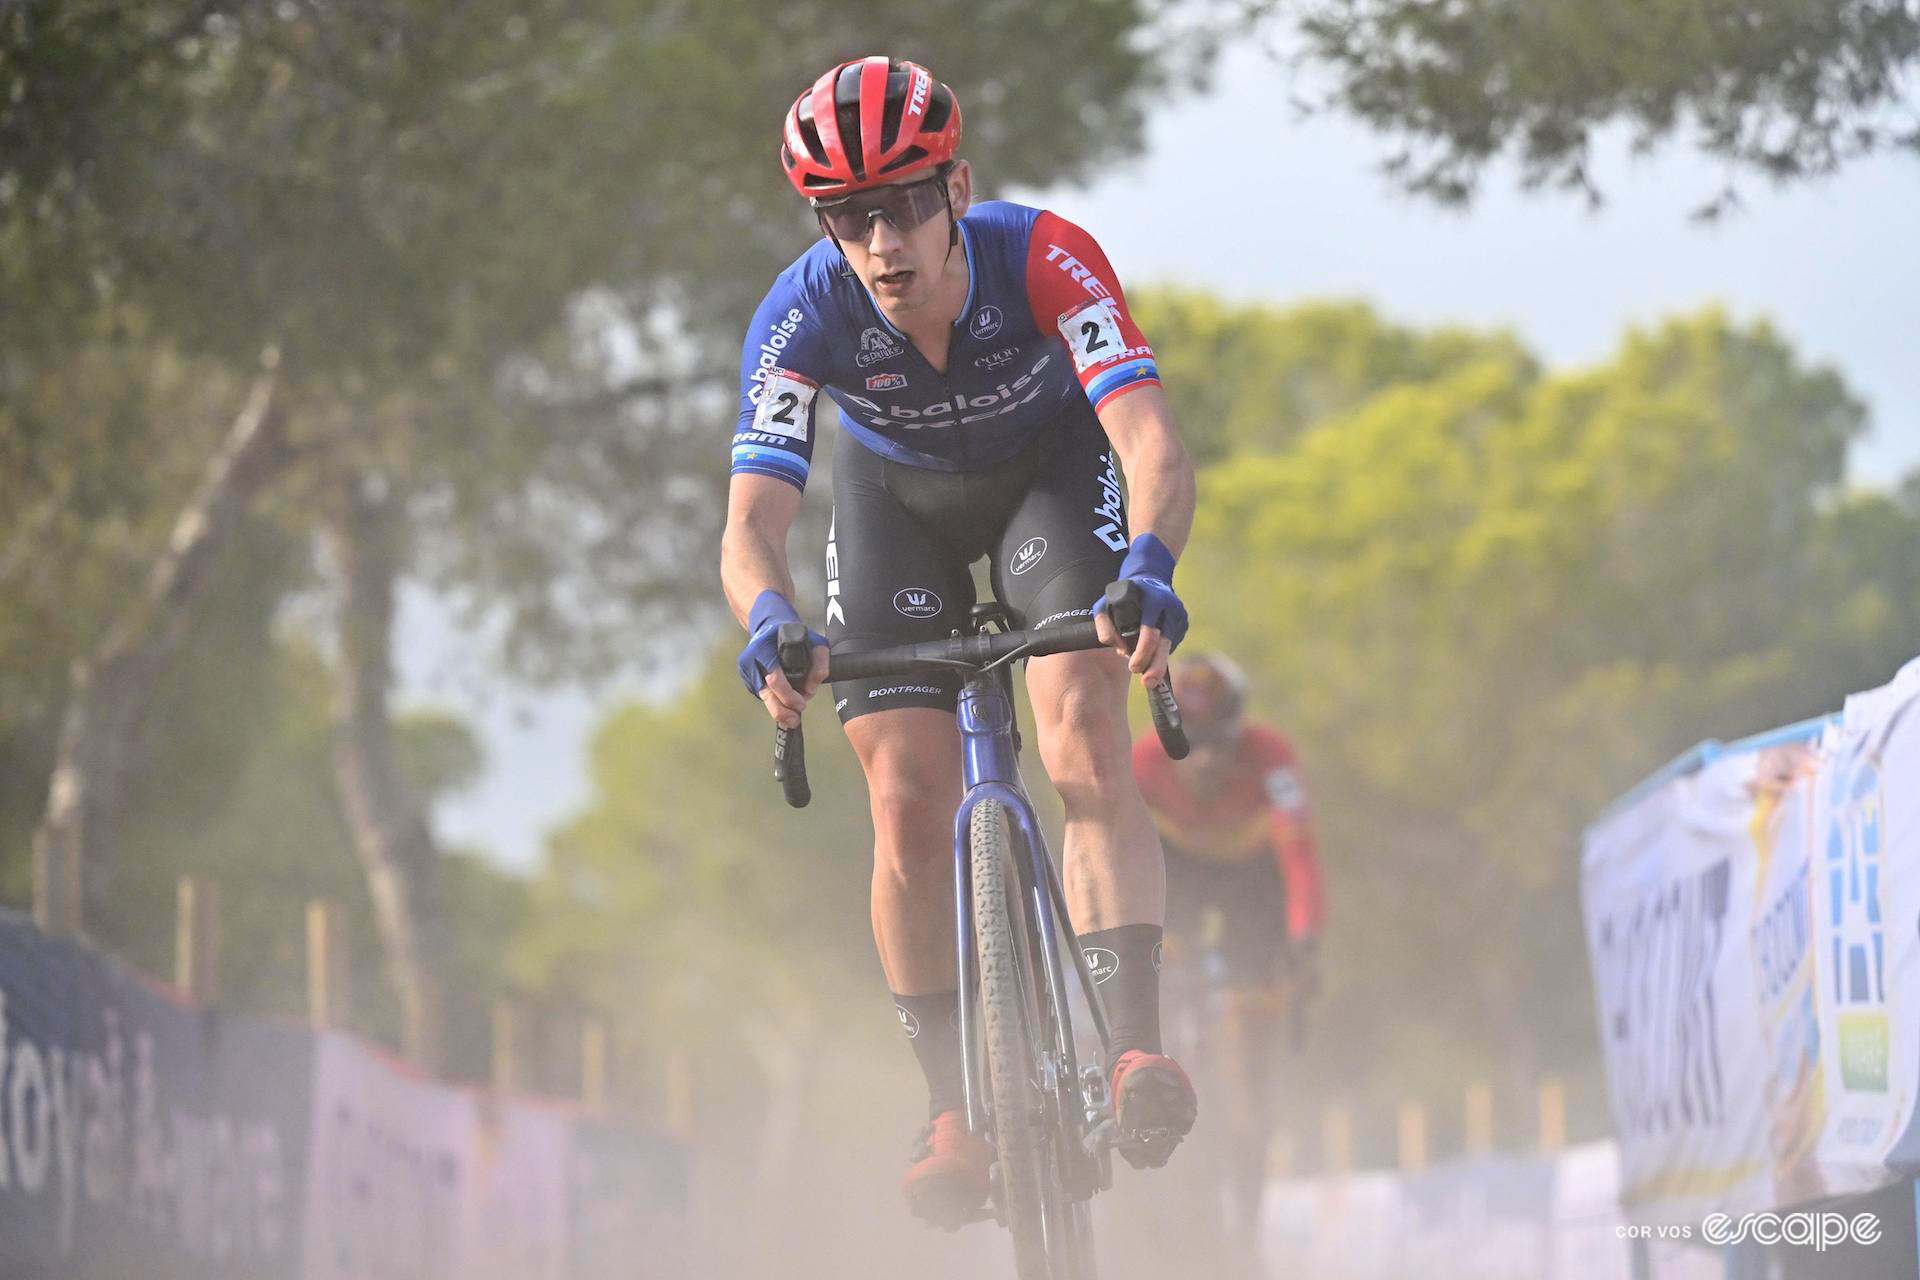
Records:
x=113, y=683
x=388, y=825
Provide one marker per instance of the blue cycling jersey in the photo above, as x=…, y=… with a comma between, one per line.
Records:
x=1044, y=331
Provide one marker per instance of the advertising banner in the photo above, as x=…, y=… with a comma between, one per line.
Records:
x=1753, y=925
x=140, y=1136
x=1668, y=884
x=1865, y=839
x=389, y=1169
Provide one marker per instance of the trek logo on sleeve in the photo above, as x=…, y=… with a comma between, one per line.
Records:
x=1081, y=273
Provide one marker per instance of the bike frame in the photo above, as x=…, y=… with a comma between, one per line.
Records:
x=990, y=769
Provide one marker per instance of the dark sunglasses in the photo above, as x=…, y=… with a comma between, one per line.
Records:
x=906, y=206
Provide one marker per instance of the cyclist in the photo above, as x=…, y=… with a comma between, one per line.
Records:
x=987, y=374
x=1239, y=845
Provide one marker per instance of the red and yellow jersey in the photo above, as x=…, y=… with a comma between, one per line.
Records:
x=1255, y=808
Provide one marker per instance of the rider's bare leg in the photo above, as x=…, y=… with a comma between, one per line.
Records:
x=911, y=756
x=1115, y=873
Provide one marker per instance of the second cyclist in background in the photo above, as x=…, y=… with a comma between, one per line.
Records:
x=1244, y=892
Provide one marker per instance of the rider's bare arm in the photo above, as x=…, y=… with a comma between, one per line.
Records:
x=1160, y=485
x=753, y=550
x=753, y=558
x=1160, y=495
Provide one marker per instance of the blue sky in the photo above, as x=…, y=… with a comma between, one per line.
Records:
x=1834, y=265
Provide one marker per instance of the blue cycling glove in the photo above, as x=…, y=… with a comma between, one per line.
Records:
x=1149, y=566
x=762, y=653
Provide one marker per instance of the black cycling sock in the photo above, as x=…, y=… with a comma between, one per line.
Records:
x=1126, y=969
x=932, y=1023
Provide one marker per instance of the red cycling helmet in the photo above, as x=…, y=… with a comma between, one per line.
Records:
x=866, y=122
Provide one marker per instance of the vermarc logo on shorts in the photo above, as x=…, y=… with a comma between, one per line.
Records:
x=1027, y=555
x=916, y=602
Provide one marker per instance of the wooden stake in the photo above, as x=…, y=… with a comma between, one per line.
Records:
x=680, y=1094
x=506, y=1057
x=328, y=981
x=196, y=940
x=593, y=1064
x=56, y=879
x=1413, y=1136
x=1479, y=1135
x=1336, y=1139
x=1553, y=1115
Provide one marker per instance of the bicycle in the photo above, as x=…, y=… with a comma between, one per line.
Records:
x=1211, y=1036
x=1048, y=1116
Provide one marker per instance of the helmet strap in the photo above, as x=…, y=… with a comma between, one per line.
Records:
x=953, y=223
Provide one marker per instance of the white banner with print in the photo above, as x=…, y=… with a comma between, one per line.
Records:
x=1865, y=848
x=389, y=1169
x=410, y=1177
x=1751, y=925
x=1666, y=887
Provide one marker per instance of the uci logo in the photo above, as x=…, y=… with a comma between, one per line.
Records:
x=986, y=322
x=1028, y=555
x=916, y=602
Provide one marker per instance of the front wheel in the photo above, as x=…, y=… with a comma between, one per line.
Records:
x=1010, y=1019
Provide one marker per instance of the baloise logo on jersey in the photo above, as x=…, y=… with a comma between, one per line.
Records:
x=781, y=333
x=1004, y=398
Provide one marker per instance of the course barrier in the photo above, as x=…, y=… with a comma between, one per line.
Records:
x=1751, y=916
x=147, y=1137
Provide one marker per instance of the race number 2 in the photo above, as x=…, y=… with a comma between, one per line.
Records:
x=1092, y=335
x=786, y=405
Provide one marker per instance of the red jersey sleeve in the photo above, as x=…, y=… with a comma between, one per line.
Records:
x=1293, y=844
x=1074, y=293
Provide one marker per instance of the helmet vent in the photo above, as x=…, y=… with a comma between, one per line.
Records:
x=905, y=160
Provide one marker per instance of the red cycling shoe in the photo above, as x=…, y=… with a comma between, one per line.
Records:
x=1154, y=1106
x=948, y=1183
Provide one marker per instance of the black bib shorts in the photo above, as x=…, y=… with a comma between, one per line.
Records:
x=904, y=539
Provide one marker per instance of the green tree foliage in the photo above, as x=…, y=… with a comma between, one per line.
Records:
x=1786, y=89
x=503, y=251
x=1488, y=601
x=1248, y=379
